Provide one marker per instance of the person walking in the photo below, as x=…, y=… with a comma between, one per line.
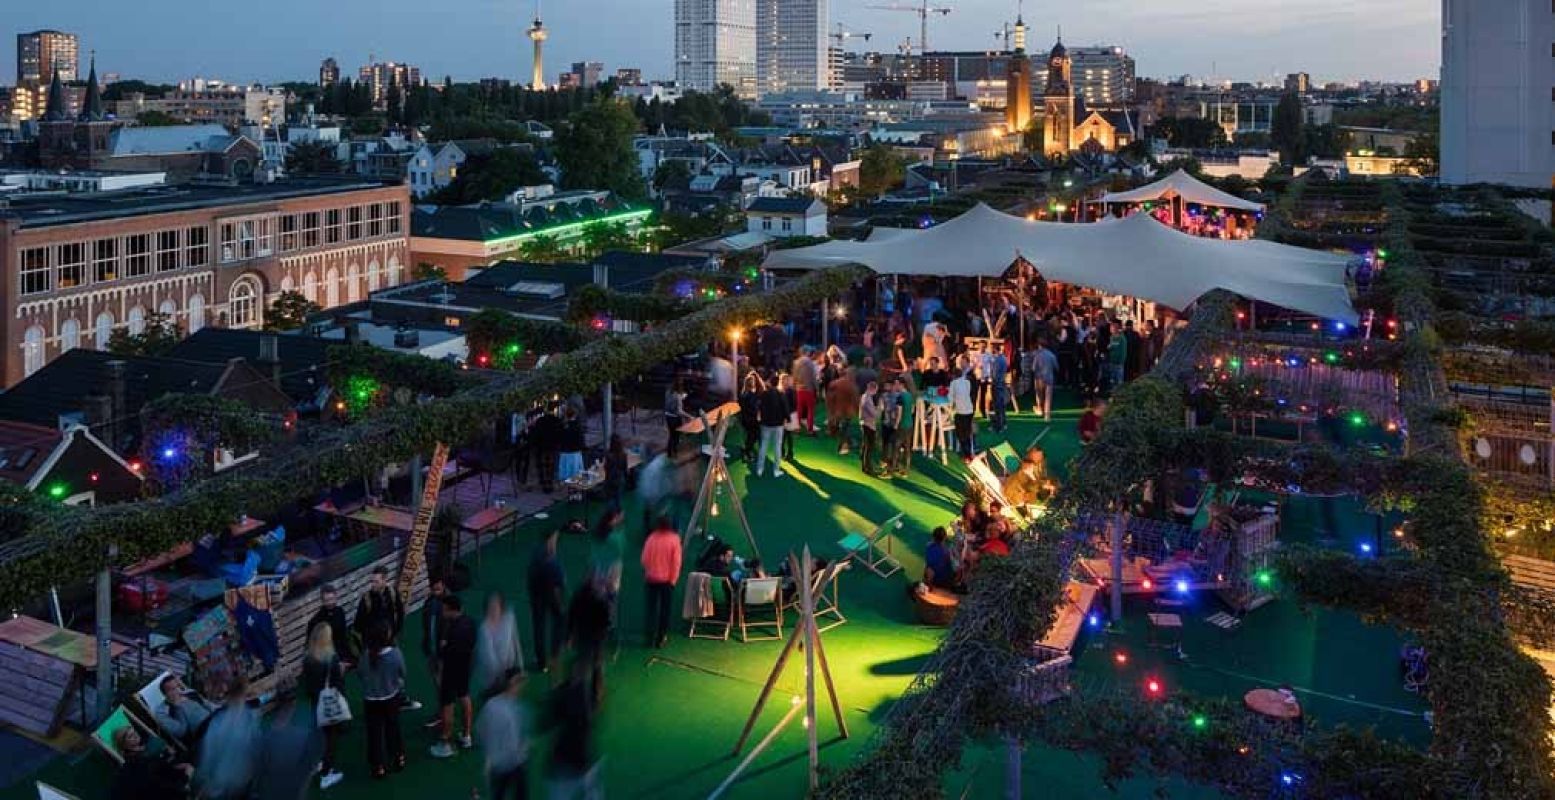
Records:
x=323, y=668
x=229, y=748
x=773, y=410
x=750, y=417
x=289, y=751
x=498, y=647
x=573, y=771
x=675, y=415
x=1045, y=367
x=431, y=630
x=616, y=470
x=807, y=383
x=503, y=732
x=661, y=571
x=383, y=692
x=962, y=408
x=547, y=596
x=588, y=630
x=869, y=421
x=456, y=651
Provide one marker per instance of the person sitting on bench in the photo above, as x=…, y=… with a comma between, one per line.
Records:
x=185, y=715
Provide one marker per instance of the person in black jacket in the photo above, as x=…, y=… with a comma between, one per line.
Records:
x=750, y=409
x=547, y=598
x=431, y=623
x=772, y=411
x=545, y=432
x=382, y=605
x=330, y=613
x=144, y=776
x=456, y=651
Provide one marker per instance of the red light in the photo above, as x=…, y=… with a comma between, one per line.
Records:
x=1120, y=657
x=92, y=477
x=1153, y=686
x=1149, y=584
x=135, y=465
x=483, y=359
x=1240, y=315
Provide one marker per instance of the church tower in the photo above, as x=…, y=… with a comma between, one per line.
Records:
x=1058, y=103
x=92, y=125
x=57, y=129
x=1017, y=109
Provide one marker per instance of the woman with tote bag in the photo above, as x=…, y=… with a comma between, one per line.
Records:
x=322, y=678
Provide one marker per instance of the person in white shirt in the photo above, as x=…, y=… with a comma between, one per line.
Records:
x=961, y=406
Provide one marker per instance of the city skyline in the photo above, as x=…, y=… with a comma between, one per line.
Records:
x=1216, y=39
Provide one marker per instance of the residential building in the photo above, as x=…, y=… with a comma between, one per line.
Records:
x=1498, y=93
x=1102, y=75
x=836, y=111
x=435, y=166
x=379, y=76
x=1239, y=113
x=784, y=217
x=15, y=184
x=1298, y=83
x=569, y=80
x=715, y=44
x=202, y=101
x=791, y=46
x=75, y=268
x=297, y=364
x=41, y=55
x=587, y=73
x=67, y=464
x=181, y=151
x=329, y=73
x=461, y=238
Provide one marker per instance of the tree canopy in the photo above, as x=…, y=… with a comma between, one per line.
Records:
x=1287, y=130
x=595, y=151
x=491, y=176
x=880, y=170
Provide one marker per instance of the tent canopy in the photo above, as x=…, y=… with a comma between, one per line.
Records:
x=1135, y=256
x=1189, y=188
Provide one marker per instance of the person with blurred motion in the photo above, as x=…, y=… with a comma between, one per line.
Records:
x=573, y=771
x=289, y=751
x=588, y=630
x=547, y=587
x=229, y=748
x=456, y=650
x=497, y=646
x=503, y=732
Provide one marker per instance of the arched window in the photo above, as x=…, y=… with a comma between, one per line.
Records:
x=310, y=287
x=69, y=335
x=169, y=308
x=372, y=276
x=104, y=330
x=353, y=282
x=243, y=309
x=332, y=288
x=196, y=312
x=32, y=350
x=137, y=321
x=394, y=270
x=287, y=284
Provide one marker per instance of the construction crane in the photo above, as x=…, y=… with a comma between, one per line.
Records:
x=843, y=34
x=923, y=10
x=1005, y=34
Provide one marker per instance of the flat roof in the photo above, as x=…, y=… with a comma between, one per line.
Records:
x=47, y=210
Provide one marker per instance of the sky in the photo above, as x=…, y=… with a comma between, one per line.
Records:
x=276, y=40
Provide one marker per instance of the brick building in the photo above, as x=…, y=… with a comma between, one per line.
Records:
x=74, y=268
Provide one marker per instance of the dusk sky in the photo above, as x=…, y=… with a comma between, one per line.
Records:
x=274, y=40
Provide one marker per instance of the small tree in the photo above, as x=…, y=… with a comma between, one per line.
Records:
x=289, y=311
x=427, y=271
x=312, y=158
x=1287, y=131
x=1423, y=153
x=881, y=170
x=543, y=249
x=670, y=172
x=156, y=338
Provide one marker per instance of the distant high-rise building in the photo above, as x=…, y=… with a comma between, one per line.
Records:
x=1497, y=118
x=40, y=53
x=588, y=73
x=791, y=46
x=538, y=34
x=1017, y=106
x=381, y=75
x=1298, y=83
x=1102, y=75
x=629, y=76
x=569, y=80
x=329, y=73
x=715, y=43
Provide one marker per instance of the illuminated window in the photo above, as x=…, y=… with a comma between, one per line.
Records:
x=105, y=260
x=243, y=304
x=70, y=265
x=196, y=312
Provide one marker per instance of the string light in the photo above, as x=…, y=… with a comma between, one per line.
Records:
x=1120, y=658
x=1264, y=578
x=1182, y=587
x=1153, y=687
x=1148, y=584
x=58, y=491
x=1200, y=721
x=1366, y=547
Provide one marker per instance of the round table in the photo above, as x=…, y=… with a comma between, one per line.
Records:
x=1273, y=704
x=936, y=606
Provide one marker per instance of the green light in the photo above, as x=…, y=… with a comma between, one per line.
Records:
x=515, y=349
x=1264, y=578
x=1357, y=419
x=1236, y=363
x=1200, y=721
x=58, y=491
x=571, y=227
x=1382, y=253
x=1331, y=357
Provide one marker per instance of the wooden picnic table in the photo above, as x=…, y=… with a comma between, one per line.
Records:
x=1531, y=573
x=238, y=530
x=483, y=521
x=1273, y=704
x=386, y=517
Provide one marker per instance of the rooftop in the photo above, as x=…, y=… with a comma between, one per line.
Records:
x=43, y=211
x=487, y=221
x=536, y=289
x=304, y=360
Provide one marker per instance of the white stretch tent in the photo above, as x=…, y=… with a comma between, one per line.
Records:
x=1181, y=184
x=1136, y=256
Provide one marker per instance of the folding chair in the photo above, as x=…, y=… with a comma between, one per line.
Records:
x=1003, y=458
x=866, y=549
x=147, y=703
x=47, y=792
x=761, y=594
x=722, y=620
x=102, y=736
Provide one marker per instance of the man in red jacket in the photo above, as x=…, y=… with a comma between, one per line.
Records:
x=661, y=570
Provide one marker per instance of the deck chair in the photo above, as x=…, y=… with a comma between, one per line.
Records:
x=991, y=483
x=721, y=592
x=827, y=595
x=102, y=736
x=1003, y=459
x=761, y=595
x=147, y=703
x=47, y=792
x=866, y=548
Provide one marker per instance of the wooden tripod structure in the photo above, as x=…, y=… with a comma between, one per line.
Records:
x=807, y=636
x=707, y=496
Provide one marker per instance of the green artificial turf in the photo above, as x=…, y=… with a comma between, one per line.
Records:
x=672, y=716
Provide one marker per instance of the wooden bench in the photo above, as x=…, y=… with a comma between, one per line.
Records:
x=1531, y=573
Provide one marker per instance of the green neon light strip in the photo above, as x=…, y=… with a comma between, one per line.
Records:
x=625, y=216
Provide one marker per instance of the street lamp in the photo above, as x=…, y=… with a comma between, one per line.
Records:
x=734, y=356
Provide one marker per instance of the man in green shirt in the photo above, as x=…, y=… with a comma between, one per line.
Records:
x=899, y=459
x=1117, y=357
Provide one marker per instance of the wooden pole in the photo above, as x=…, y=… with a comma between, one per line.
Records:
x=105, y=638
x=807, y=606
x=793, y=709
x=1118, y=523
x=609, y=411
x=831, y=688
x=766, y=689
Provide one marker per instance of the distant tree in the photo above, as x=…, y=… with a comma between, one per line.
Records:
x=159, y=334
x=1031, y=139
x=152, y=118
x=121, y=90
x=1287, y=131
x=543, y=249
x=1188, y=165
x=394, y=101
x=289, y=311
x=368, y=125
x=427, y=271
x=312, y=158
x=1194, y=133
x=1326, y=141
x=490, y=176
x=600, y=237
x=670, y=172
x=1253, y=140
x=505, y=131
x=1423, y=153
x=595, y=150
x=880, y=170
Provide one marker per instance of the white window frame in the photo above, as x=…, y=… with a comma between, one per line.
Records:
x=169, y=250
x=35, y=274
x=197, y=246
x=70, y=256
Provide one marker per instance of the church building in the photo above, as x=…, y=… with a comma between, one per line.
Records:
x=1067, y=125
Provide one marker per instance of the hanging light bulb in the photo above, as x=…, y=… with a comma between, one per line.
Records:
x=715, y=508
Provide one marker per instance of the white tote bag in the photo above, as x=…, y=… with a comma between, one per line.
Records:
x=332, y=707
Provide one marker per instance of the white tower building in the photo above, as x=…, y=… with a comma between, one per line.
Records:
x=715, y=43
x=791, y=46
x=1498, y=118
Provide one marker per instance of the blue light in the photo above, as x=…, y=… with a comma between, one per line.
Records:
x=1182, y=587
x=1339, y=326
x=1095, y=620
x=1365, y=547
x=1288, y=779
x=169, y=453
